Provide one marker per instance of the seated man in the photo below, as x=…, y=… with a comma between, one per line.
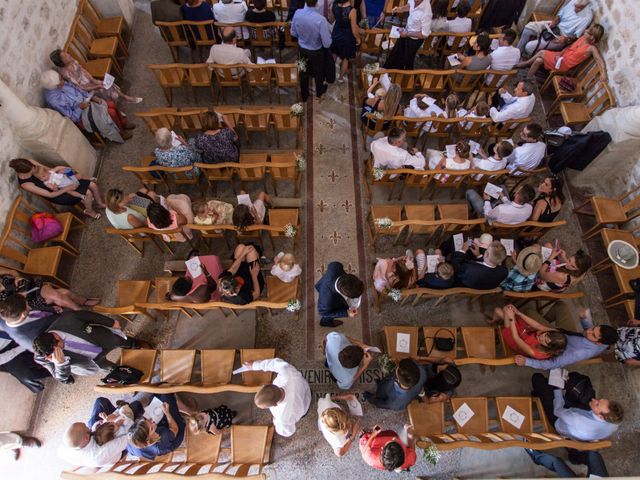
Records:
x=530, y=152
x=627, y=348
x=461, y=23
x=339, y=295
x=82, y=447
x=201, y=289
x=89, y=113
x=508, y=211
x=22, y=323
x=505, y=56
x=227, y=53
x=347, y=358
x=230, y=11
x=480, y=275
x=398, y=389
x=18, y=361
x=592, y=342
x=513, y=107
x=389, y=152
x=288, y=397
x=599, y=421
x=572, y=20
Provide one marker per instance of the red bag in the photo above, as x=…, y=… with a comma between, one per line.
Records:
x=44, y=226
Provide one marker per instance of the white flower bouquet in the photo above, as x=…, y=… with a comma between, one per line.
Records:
x=289, y=230
x=297, y=110
x=294, y=305
x=384, y=222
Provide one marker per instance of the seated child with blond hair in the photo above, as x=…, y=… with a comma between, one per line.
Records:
x=285, y=267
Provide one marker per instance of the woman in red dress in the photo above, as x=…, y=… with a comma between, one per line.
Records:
x=385, y=450
x=572, y=56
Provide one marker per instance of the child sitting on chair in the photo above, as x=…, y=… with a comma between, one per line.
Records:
x=285, y=267
x=213, y=420
x=213, y=212
x=60, y=177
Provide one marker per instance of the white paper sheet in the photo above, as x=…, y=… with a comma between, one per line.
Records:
x=242, y=369
x=262, y=61
x=385, y=81
x=463, y=414
x=450, y=151
x=546, y=253
x=355, y=407
x=432, y=263
x=557, y=377
x=458, y=242
x=395, y=32
x=434, y=110
x=174, y=140
x=244, y=199
x=428, y=100
x=154, y=410
x=475, y=147
x=513, y=417
x=194, y=266
x=107, y=81
x=373, y=350
x=508, y=245
x=453, y=60
x=493, y=190
x=403, y=343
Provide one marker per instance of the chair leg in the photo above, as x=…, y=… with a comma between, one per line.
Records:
x=592, y=231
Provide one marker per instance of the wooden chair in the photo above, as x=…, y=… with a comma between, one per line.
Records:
x=374, y=42
x=542, y=299
x=143, y=360
x=98, y=67
x=259, y=76
x=250, y=444
x=202, y=448
x=524, y=229
x=158, y=118
x=388, y=178
x=430, y=333
x=199, y=75
x=283, y=121
x=543, y=17
x=404, y=78
x=209, y=232
x=283, y=167
x=596, y=101
x=190, y=120
x=136, y=238
x=169, y=77
x=479, y=342
x=611, y=211
x=200, y=35
x=215, y=173
x=281, y=292
x=455, y=180
x=107, y=47
x=286, y=76
x=479, y=422
x=228, y=76
x=522, y=405
x=393, y=212
x=147, y=175
x=263, y=35
x=432, y=45
x=216, y=366
x=174, y=35
x=257, y=121
x=252, y=168
x=129, y=293
x=176, y=366
x=104, y=27
x=426, y=418
x=494, y=79
x=279, y=218
x=374, y=125
x=413, y=127
x=391, y=342
x=505, y=129
x=465, y=82
x=584, y=83
x=258, y=377
x=459, y=40
x=420, y=212
x=575, y=73
x=432, y=82
x=413, y=179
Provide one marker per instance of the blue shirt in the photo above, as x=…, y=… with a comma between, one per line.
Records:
x=311, y=29
x=579, y=424
x=578, y=349
x=390, y=395
x=336, y=342
x=66, y=100
x=517, y=282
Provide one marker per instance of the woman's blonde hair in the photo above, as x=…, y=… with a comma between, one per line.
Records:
x=336, y=420
x=113, y=198
x=482, y=108
x=197, y=423
x=451, y=105
x=140, y=435
x=392, y=100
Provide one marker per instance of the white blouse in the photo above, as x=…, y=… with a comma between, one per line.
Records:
x=419, y=20
x=336, y=440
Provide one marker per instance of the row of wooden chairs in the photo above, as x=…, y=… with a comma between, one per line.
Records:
x=276, y=119
x=175, y=372
x=253, y=76
x=488, y=429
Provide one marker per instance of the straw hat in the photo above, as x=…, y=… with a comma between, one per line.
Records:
x=529, y=261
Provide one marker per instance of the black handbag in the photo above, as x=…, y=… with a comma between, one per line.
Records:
x=444, y=344
x=122, y=375
x=578, y=391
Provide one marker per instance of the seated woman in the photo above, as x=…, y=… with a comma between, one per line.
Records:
x=125, y=212
x=442, y=278
x=397, y=273
x=385, y=450
x=525, y=336
x=337, y=427
x=386, y=103
x=259, y=13
x=169, y=214
x=41, y=295
x=149, y=439
x=73, y=72
x=481, y=59
x=461, y=160
x=245, y=215
x=578, y=52
x=559, y=272
x=442, y=379
x=88, y=113
x=85, y=191
x=202, y=288
x=242, y=282
x=219, y=143
x=197, y=11
x=549, y=201
x=213, y=212
x=174, y=151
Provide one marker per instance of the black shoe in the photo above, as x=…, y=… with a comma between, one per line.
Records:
x=333, y=324
x=635, y=284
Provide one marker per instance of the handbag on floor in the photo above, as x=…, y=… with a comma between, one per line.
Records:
x=122, y=375
x=44, y=226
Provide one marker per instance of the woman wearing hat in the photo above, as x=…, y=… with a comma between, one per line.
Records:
x=527, y=337
x=522, y=277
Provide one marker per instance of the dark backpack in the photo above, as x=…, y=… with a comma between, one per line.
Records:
x=578, y=391
x=122, y=375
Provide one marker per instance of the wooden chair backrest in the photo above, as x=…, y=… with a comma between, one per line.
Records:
x=13, y=244
x=169, y=75
x=283, y=121
x=216, y=366
x=507, y=128
x=286, y=74
x=77, y=50
x=430, y=333
x=257, y=120
x=203, y=29
x=251, y=354
x=281, y=292
x=528, y=228
x=89, y=14
x=459, y=41
x=130, y=292
x=373, y=40
x=229, y=75
x=479, y=422
x=174, y=33
x=374, y=125
x=176, y=366
x=599, y=99
x=522, y=405
x=142, y=359
x=190, y=120
x=159, y=118
x=221, y=172
x=198, y=74
x=283, y=165
x=494, y=78
x=404, y=78
x=414, y=178
x=466, y=80
x=389, y=5
x=252, y=172
x=202, y=448
x=426, y=418
x=432, y=80
x=259, y=74
x=431, y=45
x=263, y=33
x=479, y=342
x=391, y=341
x=80, y=31
x=588, y=78
x=248, y=444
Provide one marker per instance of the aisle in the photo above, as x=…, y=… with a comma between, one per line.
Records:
x=334, y=220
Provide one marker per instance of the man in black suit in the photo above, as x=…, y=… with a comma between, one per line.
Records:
x=339, y=295
x=480, y=275
x=21, y=323
x=17, y=361
x=78, y=343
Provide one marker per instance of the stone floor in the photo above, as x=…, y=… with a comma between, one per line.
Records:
x=334, y=228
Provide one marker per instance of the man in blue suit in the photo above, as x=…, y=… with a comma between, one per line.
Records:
x=339, y=295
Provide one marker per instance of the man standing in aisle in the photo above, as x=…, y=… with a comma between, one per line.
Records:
x=314, y=40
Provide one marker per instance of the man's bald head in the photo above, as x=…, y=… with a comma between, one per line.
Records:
x=77, y=435
x=228, y=34
x=268, y=396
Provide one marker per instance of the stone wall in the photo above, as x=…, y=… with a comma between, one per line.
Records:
x=29, y=30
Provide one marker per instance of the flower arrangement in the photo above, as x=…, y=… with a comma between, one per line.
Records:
x=289, y=230
x=301, y=64
x=294, y=305
x=384, y=222
x=88, y=329
x=431, y=454
x=371, y=68
x=364, y=23
x=301, y=162
x=395, y=294
x=378, y=173
x=378, y=115
x=297, y=109
x=386, y=364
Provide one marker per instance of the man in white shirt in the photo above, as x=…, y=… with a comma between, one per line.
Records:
x=505, y=56
x=572, y=20
x=230, y=11
x=460, y=24
x=510, y=212
x=497, y=161
x=529, y=153
x=516, y=106
x=388, y=152
x=227, y=53
x=288, y=397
